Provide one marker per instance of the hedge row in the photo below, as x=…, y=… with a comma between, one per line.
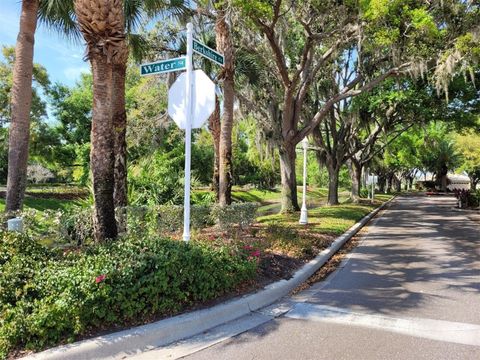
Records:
x=48, y=297
x=76, y=226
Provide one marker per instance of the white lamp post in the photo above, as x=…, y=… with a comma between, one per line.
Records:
x=367, y=185
x=373, y=187
x=303, y=213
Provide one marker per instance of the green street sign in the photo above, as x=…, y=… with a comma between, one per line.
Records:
x=207, y=52
x=163, y=66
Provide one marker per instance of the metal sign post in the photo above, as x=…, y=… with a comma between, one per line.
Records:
x=191, y=100
x=188, y=135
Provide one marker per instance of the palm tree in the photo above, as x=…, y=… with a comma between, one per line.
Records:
x=20, y=106
x=107, y=27
x=103, y=28
x=134, y=12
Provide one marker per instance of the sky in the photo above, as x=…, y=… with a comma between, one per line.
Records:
x=62, y=58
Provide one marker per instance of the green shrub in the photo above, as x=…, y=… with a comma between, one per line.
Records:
x=240, y=214
x=474, y=199
x=48, y=297
x=164, y=218
x=76, y=225
x=364, y=193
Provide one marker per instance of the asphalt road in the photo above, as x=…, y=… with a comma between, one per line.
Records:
x=410, y=290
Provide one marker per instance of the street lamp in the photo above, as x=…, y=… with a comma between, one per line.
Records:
x=373, y=187
x=303, y=213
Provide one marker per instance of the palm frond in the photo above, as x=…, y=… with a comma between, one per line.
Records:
x=59, y=16
x=139, y=46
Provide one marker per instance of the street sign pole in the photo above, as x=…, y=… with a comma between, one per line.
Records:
x=190, y=86
x=188, y=134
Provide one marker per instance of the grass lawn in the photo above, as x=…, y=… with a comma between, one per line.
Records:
x=264, y=196
x=256, y=195
x=44, y=204
x=327, y=219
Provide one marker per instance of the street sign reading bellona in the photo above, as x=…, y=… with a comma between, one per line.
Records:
x=207, y=52
x=163, y=66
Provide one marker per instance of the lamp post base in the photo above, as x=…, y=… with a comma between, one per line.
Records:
x=303, y=216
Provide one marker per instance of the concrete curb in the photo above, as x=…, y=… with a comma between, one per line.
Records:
x=467, y=211
x=136, y=340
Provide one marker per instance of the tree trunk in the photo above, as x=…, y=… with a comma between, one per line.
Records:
x=398, y=184
x=21, y=102
x=355, y=170
x=442, y=178
x=381, y=183
x=473, y=184
x=443, y=183
x=333, y=175
x=225, y=45
x=289, y=180
x=120, y=196
x=214, y=127
x=102, y=158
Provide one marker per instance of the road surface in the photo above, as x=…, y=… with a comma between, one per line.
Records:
x=410, y=290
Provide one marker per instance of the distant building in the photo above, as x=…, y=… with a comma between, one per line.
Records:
x=458, y=181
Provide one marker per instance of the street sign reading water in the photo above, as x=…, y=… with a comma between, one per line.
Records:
x=163, y=66
x=207, y=52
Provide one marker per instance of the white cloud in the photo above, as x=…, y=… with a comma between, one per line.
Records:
x=73, y=73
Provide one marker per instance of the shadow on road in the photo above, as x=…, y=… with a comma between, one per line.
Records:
x=420, y=253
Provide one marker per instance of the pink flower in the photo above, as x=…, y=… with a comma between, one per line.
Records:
x=247, y=247
x=255, y=253
x=100, y=278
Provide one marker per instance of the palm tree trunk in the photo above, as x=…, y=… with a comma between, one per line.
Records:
x=120, y=128
x=102, y=25
x=19, y=132
x=225, y=45
x=102, y=157
x=214, y=127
